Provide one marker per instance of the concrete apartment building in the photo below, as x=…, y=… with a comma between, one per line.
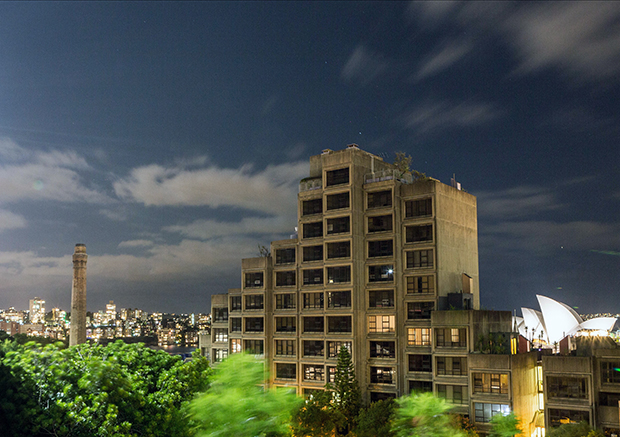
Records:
x=386, y=266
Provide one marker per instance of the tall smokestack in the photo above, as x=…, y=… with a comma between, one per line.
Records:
x=77, y=334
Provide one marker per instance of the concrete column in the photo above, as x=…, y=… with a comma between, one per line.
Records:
x=77, y=334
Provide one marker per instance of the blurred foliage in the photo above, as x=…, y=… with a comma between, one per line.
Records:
x=505, y=426
x=236, y=404
x=402, y=161
x=91, y=390
x=581, y=429
x=376, y=420
x=424, y=415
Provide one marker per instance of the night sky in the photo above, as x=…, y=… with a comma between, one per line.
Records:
x=170, y=137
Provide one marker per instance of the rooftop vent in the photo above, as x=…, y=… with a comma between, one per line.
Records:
x=353, y=146
x=326, y=151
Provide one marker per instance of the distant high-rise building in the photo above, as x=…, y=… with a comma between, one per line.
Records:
x=77, y=333
x=110, y=310
x=37, y=310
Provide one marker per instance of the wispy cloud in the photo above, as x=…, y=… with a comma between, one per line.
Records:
x=516, y=202
x=582, y=39
x=135, y=243
x=9, y=220
x=45, y=175
x=434, y=115
x=271, y=190
x=206, y=229
x=442, y=58
x=364, y=65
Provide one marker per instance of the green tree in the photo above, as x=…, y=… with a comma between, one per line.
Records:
x=317, y=417
x=116, y=390
x=423, y=415
x=347, y=398
x=505, y=426
x=236, y=404
x=581, y=429
x=376, y=420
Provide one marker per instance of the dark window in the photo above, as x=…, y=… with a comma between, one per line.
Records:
x=341, y=249
x=254, y=324
x=313, y=230
x=382, y=349
x=416, y=234
x=485, y=412
x=285, y=256
x=285, y=279
x=420, y=258
x=286, y=370
x=337, y=177
x=338, y=225
x=380, y=199
x=381, y=223
x=566, y=387
x=285, y=324
x=451, y=337
x=419, y=208
x=333, y=347
x=419, y=310
x=254, y=280
x=338, y=201
x=421, y=386
x=381, y=298
x=491, y=383
x=313, y=324
x=609, y=399
x=455, y=366
x=254, y=347
x=378, y=396
x=339, y=299
x=420, y=363
x=338, y=275
x=285, y=301
x=557, y=416
x=313, y=300
x=380, y=248
x=382, y=273
x=339, y=324
x=314, y=372
x=314, y=348
x=420, y=284
x=453, y=394
x=254, y=302
x=285, y=348
x=313, y=253
x=382, y=375
x=220, y=314
x=235, y=324
x=313, y=277
x=235, y=303
x=610, y=372
x=313, y=206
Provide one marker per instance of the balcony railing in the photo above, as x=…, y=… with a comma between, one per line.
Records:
x=310, y=184
x=387, y=175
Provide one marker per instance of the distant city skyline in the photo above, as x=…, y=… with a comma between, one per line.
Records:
x=170, y=138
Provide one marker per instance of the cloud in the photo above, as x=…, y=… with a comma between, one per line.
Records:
x=442, y=58
x=135, y=243
x=442, y=114
x=516, y=202
x=364, y=65
x=272, y=190
x=207, y=229
x=9, y=220
x=582, y=38
x=38, y=175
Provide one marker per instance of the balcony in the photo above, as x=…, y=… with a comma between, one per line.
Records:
x=387, y=175
x=310, y=184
